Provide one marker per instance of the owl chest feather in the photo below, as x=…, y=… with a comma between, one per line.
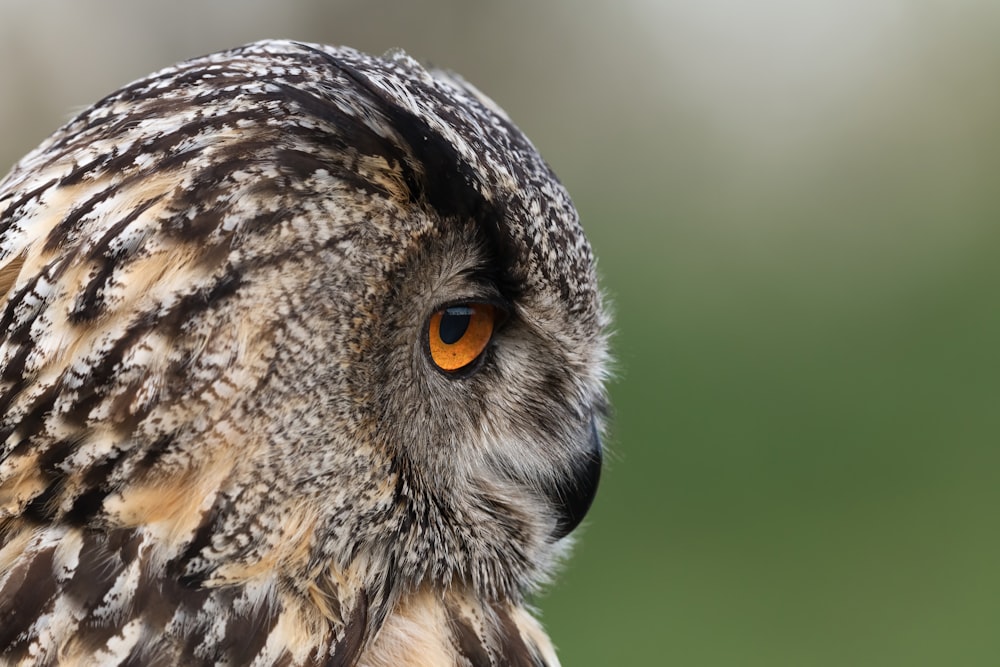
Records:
x=98, y=604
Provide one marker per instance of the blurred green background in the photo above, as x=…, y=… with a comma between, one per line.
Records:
x=797, y=211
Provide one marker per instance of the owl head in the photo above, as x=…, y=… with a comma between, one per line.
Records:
x=314, y=328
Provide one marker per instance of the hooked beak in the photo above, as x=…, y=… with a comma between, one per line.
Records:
x=573, y=497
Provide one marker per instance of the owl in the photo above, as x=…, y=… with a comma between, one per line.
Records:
x=302, y=363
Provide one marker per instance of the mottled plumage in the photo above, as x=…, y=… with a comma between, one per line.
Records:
x=225, y=438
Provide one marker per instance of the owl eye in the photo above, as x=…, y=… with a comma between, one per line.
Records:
x=458, y=334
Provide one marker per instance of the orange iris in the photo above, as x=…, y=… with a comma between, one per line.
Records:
x=459, y=334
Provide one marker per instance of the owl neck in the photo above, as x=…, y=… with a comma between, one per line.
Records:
x=428, y=628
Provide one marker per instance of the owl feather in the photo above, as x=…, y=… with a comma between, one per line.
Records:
x=226, y=438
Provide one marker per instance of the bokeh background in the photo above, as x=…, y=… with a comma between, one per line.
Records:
x=796, y=204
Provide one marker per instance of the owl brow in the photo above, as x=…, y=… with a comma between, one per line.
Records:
x=485, y=286
x=447, y=181
x=501, y=256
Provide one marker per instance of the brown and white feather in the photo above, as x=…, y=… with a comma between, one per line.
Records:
x=221, y=440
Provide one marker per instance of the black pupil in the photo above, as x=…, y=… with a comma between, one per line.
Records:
x=454, y=322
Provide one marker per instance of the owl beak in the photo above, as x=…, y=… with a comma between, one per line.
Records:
x=574, y=495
